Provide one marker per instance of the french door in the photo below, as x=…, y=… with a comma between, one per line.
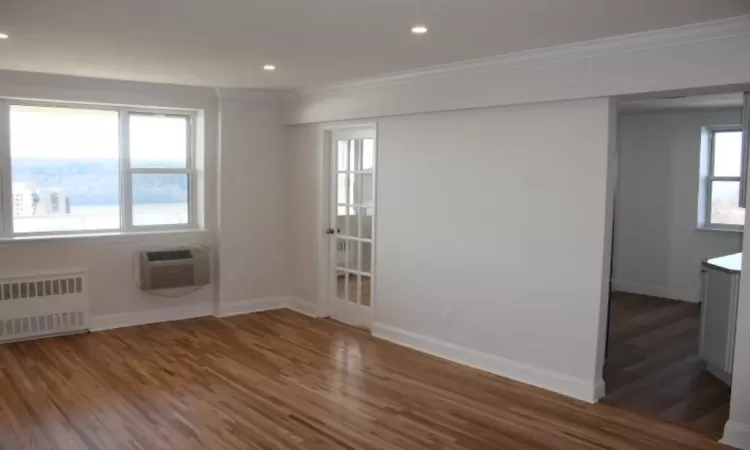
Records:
x=745, y=149
x=351, y=226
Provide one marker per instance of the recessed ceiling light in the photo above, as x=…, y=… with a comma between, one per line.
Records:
x=269, y=67
x=3, y=36
x=418, y=29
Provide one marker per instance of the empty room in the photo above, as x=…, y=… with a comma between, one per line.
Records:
x=366, y=224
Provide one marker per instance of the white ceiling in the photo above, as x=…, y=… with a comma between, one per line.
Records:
x=224, y=43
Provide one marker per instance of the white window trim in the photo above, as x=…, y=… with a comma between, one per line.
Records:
x=126, y=172
x=708, y=180
x=6, y=182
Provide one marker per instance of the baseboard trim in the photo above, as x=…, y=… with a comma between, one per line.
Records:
x=736, y=435
x=653, y=291
x=724, y=377
x=303, y=307
x=252, y=306
x=563, y=384
x=131, y=319
x=600, y=389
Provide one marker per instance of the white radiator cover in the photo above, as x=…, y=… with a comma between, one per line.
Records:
x=43, y=305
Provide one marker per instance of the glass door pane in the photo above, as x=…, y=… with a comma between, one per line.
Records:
x=745, y=147
x=364, y=290
x=352, y=220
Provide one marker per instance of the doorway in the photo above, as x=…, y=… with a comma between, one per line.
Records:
x=678, y=230
x=350, y=230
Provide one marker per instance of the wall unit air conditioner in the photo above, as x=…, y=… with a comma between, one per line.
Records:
x=174, y=267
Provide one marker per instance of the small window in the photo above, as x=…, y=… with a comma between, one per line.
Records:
x=81, y=170
x=724, y=180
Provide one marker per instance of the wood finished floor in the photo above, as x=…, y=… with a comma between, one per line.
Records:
x=280, y=380
x=653, y=365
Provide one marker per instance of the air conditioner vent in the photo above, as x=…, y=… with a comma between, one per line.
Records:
x=169, y=255
x=174, y=268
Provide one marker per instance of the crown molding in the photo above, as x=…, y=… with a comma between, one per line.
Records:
x=704, y=31
x=249, y=94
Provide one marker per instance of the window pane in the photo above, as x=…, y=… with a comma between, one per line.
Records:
x=347, y=223
x=65, y=169
x=366, y=257
x=158, y=141
x=727, y=153
x=365, y=221
x=343, y=147
x=365, y=290
x=725, y=198
x=342, y=189
x=160, y=199
x=353, y=156
x=340, y=284
x=368, y=154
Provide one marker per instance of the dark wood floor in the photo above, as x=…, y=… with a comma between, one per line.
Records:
x=280, y=380
x=653, y=364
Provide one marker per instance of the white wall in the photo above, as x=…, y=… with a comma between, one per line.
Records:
x=512, y=247
x=305, y=162
x=703, y=58
x=254, y=209
x=248, y=237
x=689, y=57
x=39, y=86
x=114, y=296
x=658, y=247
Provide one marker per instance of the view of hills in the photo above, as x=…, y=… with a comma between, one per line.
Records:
x=96, y=181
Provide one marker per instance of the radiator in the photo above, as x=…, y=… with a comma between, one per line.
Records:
x=43, y=305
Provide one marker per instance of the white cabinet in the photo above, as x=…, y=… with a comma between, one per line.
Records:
x=721, y=285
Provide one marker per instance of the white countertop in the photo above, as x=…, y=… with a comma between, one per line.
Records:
x=729, y=263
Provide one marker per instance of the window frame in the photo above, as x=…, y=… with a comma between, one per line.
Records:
x=711, y=178
x=126, y=172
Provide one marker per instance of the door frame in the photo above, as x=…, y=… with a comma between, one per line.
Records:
x=326, y=287
x=731, y=432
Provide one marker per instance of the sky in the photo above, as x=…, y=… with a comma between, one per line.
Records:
x=59, y=133
x=728, y=154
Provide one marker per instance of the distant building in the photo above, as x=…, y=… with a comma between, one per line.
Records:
x=29, y=200
x=52, y=201
x=23, y=199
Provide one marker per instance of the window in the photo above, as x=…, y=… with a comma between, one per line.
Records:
x=76, y=169
x=722, y=189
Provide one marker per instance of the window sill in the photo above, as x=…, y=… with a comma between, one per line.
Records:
x=118, y=236
x=721, y=230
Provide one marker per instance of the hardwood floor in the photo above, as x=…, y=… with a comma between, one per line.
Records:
x=653, y=364
x=280, y=380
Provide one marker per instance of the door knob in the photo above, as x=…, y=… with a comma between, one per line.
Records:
x=330, y=231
